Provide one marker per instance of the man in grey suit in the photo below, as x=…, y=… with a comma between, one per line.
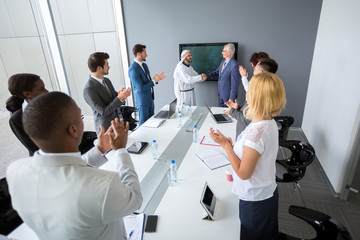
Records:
x=100, y=94
x=56, y=193
x=228, y=75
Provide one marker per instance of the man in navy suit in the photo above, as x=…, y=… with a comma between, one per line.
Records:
x=142, y=84
x=228, y=75
x=100, y=94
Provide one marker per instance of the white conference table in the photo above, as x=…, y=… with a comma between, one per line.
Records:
x=180, y=212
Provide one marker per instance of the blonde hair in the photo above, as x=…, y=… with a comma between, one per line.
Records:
x=267, y=93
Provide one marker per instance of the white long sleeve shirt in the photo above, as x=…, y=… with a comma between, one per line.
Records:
x=60, y=196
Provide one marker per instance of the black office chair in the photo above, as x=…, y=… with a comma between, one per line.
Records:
x=325, y=226
x=87, y=141
x=285, y=122
x=126, y=112
x=9, y=219
x=293, y=168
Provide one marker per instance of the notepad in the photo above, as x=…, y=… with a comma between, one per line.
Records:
x=207, y=140
x=213, y=159
x=135, y=223
x=153, y=122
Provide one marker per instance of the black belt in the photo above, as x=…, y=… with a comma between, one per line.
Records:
x=187, y=90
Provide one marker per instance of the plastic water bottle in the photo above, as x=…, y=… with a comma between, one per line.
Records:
x=195, y=134
x=190, y=112
x=154, y=150
x=183, y=109
x=173, y=173
x=178, y=120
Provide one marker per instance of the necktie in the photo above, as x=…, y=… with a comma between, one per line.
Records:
x=118, y=111
x=106, y=87
x=146, y=73
x=149, y=78
x=223, y=66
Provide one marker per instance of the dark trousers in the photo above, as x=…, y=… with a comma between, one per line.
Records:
x=222, y=101
x=145, y=112
x=259, y=219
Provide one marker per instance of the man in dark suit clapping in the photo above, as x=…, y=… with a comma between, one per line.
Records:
x=100, y=94
x=143, y=84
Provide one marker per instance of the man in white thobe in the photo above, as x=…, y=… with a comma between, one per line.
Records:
x=184, y=79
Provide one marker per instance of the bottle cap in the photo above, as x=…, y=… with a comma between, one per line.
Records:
x=154, y=140
x=172, y=161
x=195, y=126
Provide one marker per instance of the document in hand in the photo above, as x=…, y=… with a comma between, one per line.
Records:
x=213, y=159
x=134, y=224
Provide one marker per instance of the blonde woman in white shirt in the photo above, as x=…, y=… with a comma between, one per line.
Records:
x=253, y=157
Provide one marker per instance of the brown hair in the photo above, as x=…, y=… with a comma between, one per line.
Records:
x=97, y=60
x=138, y=48
x=256, y=56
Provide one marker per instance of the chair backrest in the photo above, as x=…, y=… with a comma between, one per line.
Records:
x=302, y=154
x=285, y=122
x=325, y=226
x=87, y=141
x=126, y=112
x=9, y=219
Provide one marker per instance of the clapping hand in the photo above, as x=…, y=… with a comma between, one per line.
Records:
x=243, y=71
x=119, y=135
x=159, y=77
x=104, y=140
x=124, y=93
x=219, y=138
x=227, y=111
x=232, y=104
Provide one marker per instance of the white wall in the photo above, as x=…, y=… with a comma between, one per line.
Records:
x=22, y=46
x=333, y=99
x=284, y=29
x=85, y=27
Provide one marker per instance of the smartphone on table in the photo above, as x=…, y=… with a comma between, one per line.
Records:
x=137, y=147
x=151, y=222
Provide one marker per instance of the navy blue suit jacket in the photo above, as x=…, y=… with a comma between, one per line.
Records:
x=229, y=80
x=141, y=84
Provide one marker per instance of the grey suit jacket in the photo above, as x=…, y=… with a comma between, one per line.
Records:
x=242, y=122
x=105, y=106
